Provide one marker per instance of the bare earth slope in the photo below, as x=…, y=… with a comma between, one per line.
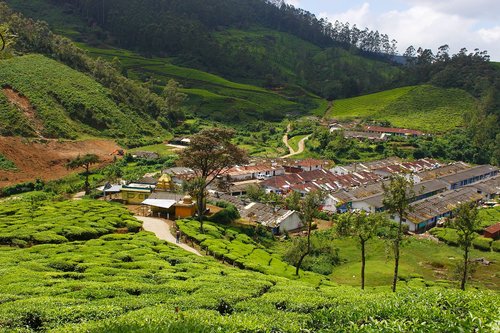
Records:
x=46, y=159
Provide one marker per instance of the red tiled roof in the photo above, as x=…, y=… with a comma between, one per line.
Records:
x=493, y=229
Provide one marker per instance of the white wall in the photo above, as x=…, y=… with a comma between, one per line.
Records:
x=292, y=222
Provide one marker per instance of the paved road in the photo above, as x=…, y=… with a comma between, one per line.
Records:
x=161, y=229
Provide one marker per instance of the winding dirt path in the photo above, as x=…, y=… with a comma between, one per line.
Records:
x=292, y=152
x=161, y=229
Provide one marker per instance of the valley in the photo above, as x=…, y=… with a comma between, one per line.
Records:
x=241, y=166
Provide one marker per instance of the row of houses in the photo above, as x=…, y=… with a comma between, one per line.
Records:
x=360, y=187
x=433, y=199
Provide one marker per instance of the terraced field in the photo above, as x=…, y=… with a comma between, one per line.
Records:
x=55, y=101
x=211, y=96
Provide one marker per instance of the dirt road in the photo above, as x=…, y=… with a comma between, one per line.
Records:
x=292, y=152
x=161, y=228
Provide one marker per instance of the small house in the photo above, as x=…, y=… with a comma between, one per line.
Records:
x=492, y=231
x=135, y=194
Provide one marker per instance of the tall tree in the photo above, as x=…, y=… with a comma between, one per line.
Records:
x=307, y=209
x=362, y=226
x=209, y=154
x=398, y=195
x=6, y=41
x=84, y=162
x=173, y=99
x=466, y=222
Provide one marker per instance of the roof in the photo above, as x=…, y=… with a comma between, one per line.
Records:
x=175, y=171
x=264, y=214
x=493, y=229
x=470, y=173
x=429, y=186
x=309, y=162
x=161, y=203
x=393, y=130
x=442, y=203
x=443, y=170
x=489, y=185
x=112, y=189
x=148, y=180
x=363, y=135
x=250, y=169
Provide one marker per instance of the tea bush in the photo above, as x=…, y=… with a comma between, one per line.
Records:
x=135, y=282
x=22, y=224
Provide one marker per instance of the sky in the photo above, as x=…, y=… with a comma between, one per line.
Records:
x=426, y=23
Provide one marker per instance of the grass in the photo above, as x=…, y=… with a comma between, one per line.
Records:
x=212, y=96
x=294, y=141
x=6, y=164
x=427, y=108
x=433, y=262
x=161, y=149
x=69, y=104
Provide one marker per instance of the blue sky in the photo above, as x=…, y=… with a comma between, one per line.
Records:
x=426, y=23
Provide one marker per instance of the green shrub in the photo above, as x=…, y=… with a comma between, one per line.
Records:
x=495, y=246
x=226, y=216
x=482, y=243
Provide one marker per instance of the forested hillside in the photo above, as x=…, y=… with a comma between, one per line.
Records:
x=219, y=36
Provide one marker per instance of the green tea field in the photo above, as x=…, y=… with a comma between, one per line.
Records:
x=427, y=108
x=124, y=282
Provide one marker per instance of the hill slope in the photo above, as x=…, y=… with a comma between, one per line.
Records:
x=251, y=41
x=41, y=97
x=427, y=108
x=87, y=278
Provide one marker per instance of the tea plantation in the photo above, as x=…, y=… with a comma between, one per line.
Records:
x=66, y=103
x=427, y=108
x=131, y=282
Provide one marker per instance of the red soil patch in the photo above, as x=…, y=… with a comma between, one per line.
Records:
x=25, y=106
x=46, y=159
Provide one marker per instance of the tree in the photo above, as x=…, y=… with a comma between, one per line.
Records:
x=85, y=162
x=209, y=154
x=307, y=209
x=398, y=195
x=34, y=200
x=466, y=222
x=362, y=226
x=6, y=41
x=173, y=101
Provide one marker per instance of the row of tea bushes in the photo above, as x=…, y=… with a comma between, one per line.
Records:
x=23, y=223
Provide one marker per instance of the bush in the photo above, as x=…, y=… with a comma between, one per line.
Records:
x=446, y=235
x=496, y=246
x=482, y=243
x=226, y=215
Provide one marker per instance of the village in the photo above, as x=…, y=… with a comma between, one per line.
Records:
x=439, y=189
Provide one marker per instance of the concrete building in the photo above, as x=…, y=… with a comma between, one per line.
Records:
x=469, y=176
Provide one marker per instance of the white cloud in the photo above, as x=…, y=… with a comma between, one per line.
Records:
x=428, y=25
x=490, y=35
